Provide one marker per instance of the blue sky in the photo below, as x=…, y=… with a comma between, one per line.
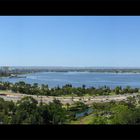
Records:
x=70, y=41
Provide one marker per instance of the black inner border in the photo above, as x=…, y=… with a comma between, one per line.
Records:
x=69, y=7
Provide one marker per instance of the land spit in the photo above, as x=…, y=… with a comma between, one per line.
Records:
x=10, y=96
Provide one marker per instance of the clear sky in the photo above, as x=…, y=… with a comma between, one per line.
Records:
x=70, y=41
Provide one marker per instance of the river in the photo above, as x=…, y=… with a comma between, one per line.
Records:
x=77, y=79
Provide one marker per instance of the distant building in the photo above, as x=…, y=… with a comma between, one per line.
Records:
x=5, y=69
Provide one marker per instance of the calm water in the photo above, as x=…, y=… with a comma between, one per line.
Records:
x=79, y=78
x=87, y=111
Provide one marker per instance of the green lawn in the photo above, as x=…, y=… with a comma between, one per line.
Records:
x=3, y=91
x=84, y=120
x=112, y=93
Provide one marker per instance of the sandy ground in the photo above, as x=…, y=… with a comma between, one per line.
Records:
x=8, y=96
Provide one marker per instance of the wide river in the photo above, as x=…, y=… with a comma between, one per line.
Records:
x=54, y=79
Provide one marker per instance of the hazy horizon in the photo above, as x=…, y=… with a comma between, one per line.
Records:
x=70, y=41
x=92, y=67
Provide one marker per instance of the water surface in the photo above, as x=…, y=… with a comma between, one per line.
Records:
x=77, y=79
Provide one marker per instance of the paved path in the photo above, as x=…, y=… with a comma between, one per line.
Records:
x=8, y=96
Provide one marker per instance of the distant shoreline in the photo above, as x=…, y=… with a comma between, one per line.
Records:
x=94, y=72
x=9, y=71
x=85, y=72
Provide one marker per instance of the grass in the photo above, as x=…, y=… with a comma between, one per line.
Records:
x=84, y=120
x=4, y=91
x=112, y=93
x=69, y=95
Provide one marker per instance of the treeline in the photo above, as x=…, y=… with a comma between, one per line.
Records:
x=122, y=112
x=117, y=112
x=28, y=111
x=35, y=89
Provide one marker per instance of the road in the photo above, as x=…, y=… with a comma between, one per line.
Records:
x=8, y=96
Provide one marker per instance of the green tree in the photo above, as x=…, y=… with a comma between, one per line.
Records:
x=56, y=113
x=26, y=107
x=121, y=114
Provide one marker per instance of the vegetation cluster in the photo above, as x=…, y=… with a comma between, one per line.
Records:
x=29, y=111
x=66, y=90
